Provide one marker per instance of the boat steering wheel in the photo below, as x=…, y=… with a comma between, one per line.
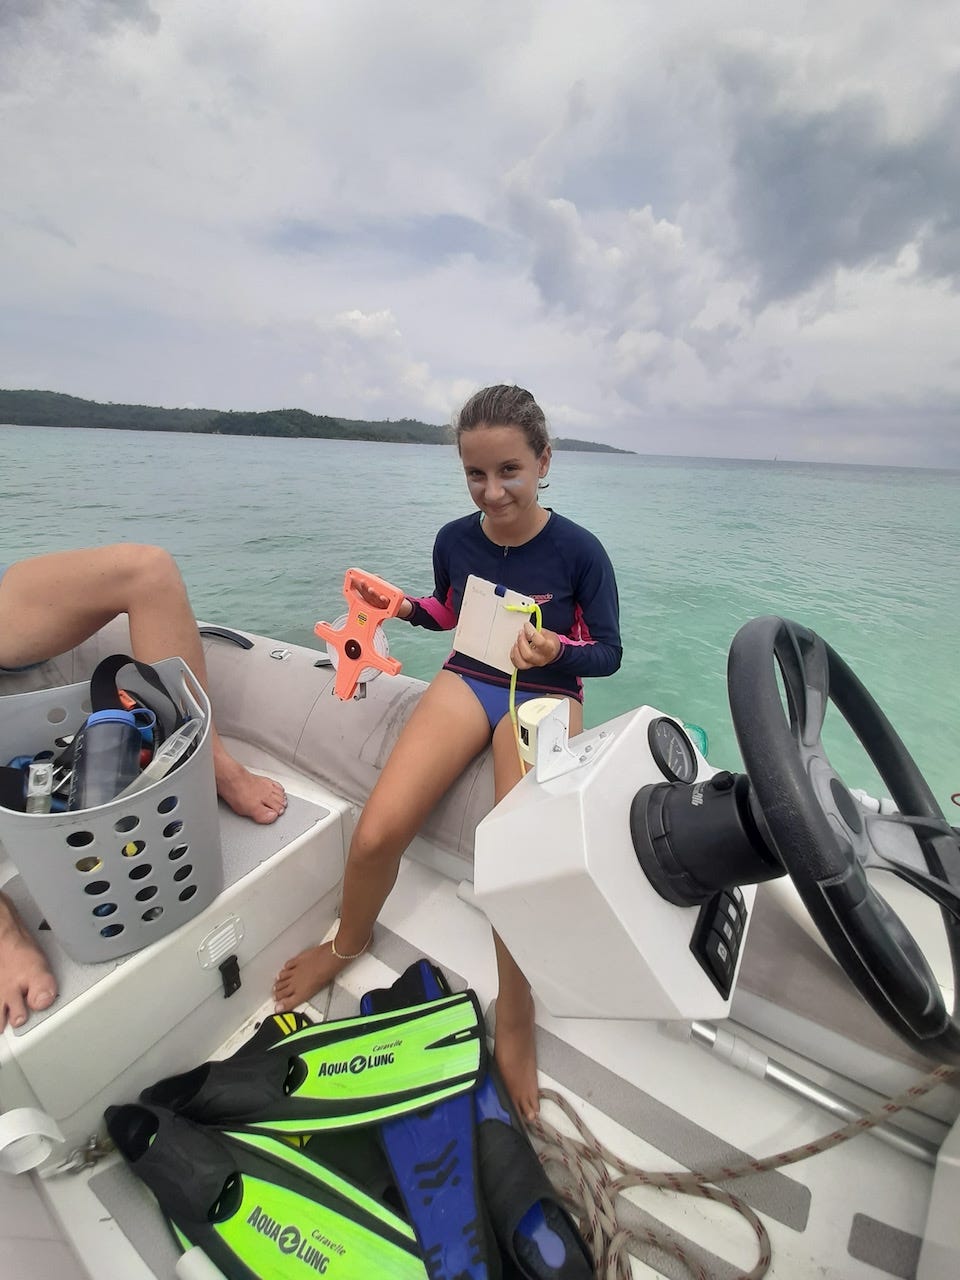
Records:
x=827, y=840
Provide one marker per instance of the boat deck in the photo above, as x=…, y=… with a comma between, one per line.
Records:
x=645, y=1089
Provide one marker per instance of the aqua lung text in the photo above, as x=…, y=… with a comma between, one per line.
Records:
x=356, y=1064
x=291, y=1241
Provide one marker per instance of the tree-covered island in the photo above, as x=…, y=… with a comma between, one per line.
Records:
x=54, y=409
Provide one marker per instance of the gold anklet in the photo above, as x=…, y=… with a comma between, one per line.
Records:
x=356, y=954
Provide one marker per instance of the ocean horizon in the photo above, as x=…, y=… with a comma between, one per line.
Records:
x=598, y=447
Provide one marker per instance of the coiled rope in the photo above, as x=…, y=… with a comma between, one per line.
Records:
x=589, y=1189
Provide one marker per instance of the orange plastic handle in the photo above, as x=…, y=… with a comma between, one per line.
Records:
x=355, y=640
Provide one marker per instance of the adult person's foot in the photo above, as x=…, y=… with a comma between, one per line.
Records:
x=26, y=983
x=250, y=795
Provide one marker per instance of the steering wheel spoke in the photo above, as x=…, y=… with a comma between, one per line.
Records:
x=941, y=892
x=806, y=679
x=914, y=849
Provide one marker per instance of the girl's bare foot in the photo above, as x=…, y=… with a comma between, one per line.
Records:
x=306, y=974
x=25, y=980
x=516, y=1056
x=250, y=795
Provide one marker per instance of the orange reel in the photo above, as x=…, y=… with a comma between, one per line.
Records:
x=355, y=641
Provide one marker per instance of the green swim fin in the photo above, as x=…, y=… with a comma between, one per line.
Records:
x=339, y=1074
x=258, y=1208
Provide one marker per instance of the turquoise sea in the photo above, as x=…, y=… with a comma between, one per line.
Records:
x=263, y=530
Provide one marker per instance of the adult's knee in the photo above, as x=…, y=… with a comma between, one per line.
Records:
x=151, y=570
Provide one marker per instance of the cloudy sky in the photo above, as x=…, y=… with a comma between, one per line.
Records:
x=716, y=227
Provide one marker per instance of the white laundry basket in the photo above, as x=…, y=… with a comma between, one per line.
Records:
x=112, y=879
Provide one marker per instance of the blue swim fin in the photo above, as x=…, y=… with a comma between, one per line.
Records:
x=433, y=1158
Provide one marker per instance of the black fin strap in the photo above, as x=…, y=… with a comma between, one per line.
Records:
x=105, y=695
x=12, y=789
x=419, y=982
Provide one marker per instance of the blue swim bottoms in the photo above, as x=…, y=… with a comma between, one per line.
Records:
x=495, y=699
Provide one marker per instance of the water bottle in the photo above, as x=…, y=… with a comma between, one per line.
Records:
x=106, y=758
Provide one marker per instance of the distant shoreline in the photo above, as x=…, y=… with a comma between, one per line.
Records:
x=55, y=409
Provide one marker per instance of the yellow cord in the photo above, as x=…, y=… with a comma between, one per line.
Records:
x=537, y=618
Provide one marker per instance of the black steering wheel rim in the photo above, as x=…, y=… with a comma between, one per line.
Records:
x=824, y=837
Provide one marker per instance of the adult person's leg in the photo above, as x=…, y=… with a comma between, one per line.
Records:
x=446, y=730
x=515, y=1049
x=49, y=604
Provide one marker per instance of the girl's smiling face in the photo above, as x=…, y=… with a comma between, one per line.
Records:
x=503, y=473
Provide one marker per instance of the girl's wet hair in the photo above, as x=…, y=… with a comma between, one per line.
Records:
x=503, y=406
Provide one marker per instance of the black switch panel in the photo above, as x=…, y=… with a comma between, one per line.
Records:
x=717, y=937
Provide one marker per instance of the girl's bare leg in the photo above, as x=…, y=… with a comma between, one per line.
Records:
x=447, y=729
x=515, y=1050
x=50, y=603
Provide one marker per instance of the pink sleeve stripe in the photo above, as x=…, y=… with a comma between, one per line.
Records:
x=579, y=632
x=442, y=614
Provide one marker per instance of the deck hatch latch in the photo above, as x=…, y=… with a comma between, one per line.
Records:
x=230, y=973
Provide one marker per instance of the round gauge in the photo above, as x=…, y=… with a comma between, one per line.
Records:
x=672, y=750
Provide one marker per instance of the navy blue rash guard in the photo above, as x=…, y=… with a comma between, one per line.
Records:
x=564, y=568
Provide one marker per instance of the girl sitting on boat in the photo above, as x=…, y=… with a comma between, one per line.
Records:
x=514, y=542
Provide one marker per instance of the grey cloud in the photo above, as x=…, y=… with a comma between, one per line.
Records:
x=555, y=240
x=61, y=30
x=630, y=173
x=940, y=252
x=940, y=246
x=103, y=15
x=632, y=275
x=429, y=239
x=39, y=223
x=16, y=12
x=99, y=16
x=713, y=346
x=632, y=282
x=816, y=190
x=299, y=235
